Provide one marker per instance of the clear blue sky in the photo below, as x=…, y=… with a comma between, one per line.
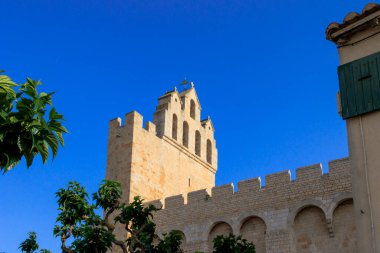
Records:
x=263, y=72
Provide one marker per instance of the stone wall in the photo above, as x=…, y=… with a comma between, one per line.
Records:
x=313, y=213
x=163, y=158
x=175, y=160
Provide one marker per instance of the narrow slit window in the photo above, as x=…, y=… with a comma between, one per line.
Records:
x=209, y=152
x=174, y=127
x=197, y=143
x=185, y=135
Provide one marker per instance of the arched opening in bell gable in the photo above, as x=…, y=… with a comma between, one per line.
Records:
x=192, y=109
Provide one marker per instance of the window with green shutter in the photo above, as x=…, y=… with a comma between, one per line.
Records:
x=359, y=83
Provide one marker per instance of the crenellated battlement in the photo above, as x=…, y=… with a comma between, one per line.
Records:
x=269, y=214
x=306, y=178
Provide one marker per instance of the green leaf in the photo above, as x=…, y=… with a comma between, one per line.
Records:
x=29, y=157
x=19, y=143
x=11, y=162
x=7, y=85
x=53, y=143
x=60, y=138
x=53, y=115
x=43, y=149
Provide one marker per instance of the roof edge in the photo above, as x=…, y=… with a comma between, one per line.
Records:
x=353, y=23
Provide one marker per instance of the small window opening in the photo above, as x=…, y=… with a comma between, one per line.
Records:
x=209, y=152
x=174, y=127
x=197, y=143
x=185, y=134
x=192, y=109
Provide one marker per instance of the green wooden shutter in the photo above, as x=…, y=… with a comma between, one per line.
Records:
x=359, y=83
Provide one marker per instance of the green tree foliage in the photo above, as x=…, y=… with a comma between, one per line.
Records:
x=29, y=124
x=171, y=243
x=30, y=245
x=232, y=244
x=92, y=233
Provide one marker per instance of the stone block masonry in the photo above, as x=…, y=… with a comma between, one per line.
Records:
x=312, y=213
x=172, y=162
x=175, y=154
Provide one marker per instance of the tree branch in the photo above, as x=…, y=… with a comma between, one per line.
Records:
x=106, y=223
x=63, y=241
x=121, y=245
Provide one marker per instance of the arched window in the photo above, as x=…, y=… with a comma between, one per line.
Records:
x=209, y=152
x=185, y=136
x=174, y=127
x=197, y=143
x=192, y=109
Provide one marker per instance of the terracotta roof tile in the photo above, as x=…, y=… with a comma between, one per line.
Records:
x=351, y=18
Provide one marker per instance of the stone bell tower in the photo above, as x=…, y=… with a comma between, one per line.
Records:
x=358, y=42
x=175, y=154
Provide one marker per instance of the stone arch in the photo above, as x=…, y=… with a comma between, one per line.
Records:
x=160, y=234
x=217, y=228
x=174, y=126
x=253, y=229
x=184, y=242
x=185, y=134
x=303, y=204
x=209, y=151
x=311, y=233
x=192, y=109
x=344, y=227
x=197, y=143
x=336, y=202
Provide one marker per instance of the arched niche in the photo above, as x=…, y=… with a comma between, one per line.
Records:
x=254, y=230
x=219, y=228
x=310, y=231
x=344, y=227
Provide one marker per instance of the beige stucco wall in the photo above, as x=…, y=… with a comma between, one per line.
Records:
x=364, y=145
x=360, y=49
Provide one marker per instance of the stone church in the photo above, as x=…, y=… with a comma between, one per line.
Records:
x=172, y=161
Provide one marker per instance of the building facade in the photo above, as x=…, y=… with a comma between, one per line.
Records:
x=171, y=162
